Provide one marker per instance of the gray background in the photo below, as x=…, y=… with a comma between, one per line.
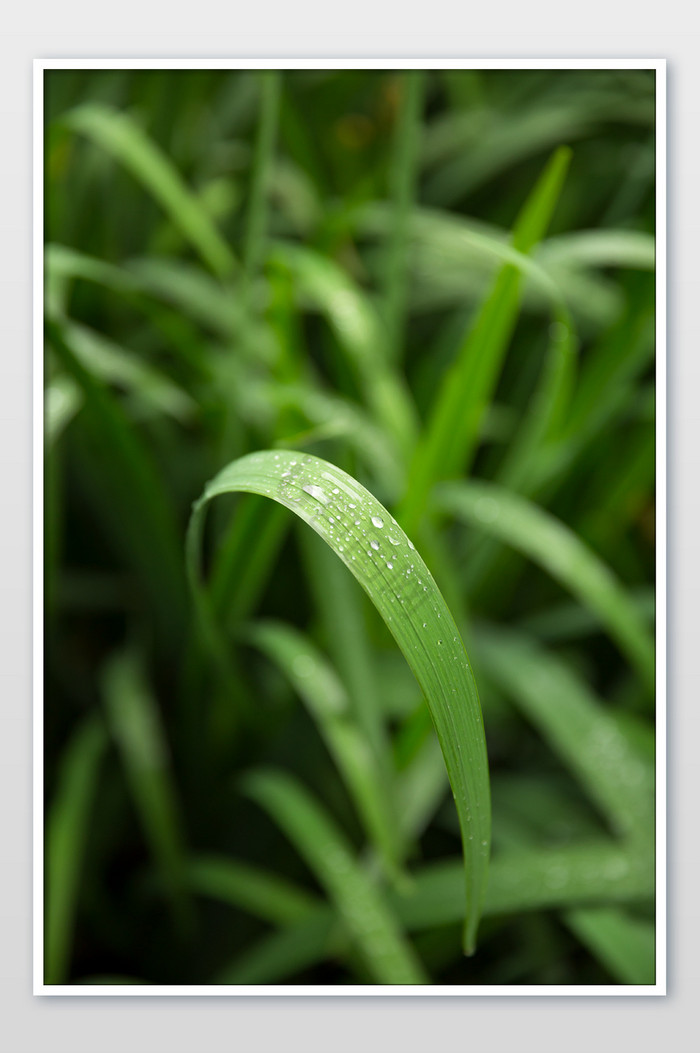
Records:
x=539, y=29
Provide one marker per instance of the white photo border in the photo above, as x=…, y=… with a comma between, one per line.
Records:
x=295, y=990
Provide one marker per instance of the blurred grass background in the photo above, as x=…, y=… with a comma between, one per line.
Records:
x=442, y=282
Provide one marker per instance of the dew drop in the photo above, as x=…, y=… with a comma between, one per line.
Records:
x=410, y=544
x=374, y=544
x=316, y=492
x=390, y=566
x=378, y=521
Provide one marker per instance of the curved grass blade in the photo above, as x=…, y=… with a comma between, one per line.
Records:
x=550, y=543
x=384, y=561
x=317, y=683
x=117, y=133
x=66, y=842
x=388, y=956
x=624, y=945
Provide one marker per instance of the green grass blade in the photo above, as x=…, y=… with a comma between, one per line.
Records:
x=403, y=178
x=624, y=945
x=452, y=430
x=384, y=561
x=251, y=889
x=386, y=953
x=270, y=89
x=136, y=726
x=599, y=248
x=575, y=723
x=66, y=843
x=550, y=543
x=530, y=880
x=316, y=682
x=62, y=402
x=121, y=137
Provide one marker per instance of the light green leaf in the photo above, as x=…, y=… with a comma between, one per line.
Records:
x=449, y=441
x=384, y=561
x=120, y=136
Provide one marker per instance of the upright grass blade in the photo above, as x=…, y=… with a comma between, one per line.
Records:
x=624, y=945
x=139, y=737
x=270, y=87
x=448, y=445
x=317, y=683
x=403, y=178
x=588, y=739
x=375, y=549
x=66, y=843
x=386, y=953
x=562, y=554
x=120, y=136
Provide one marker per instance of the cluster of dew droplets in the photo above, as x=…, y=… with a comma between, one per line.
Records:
x=344, y=513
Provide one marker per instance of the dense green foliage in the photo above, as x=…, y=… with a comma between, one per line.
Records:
x=442, y=283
